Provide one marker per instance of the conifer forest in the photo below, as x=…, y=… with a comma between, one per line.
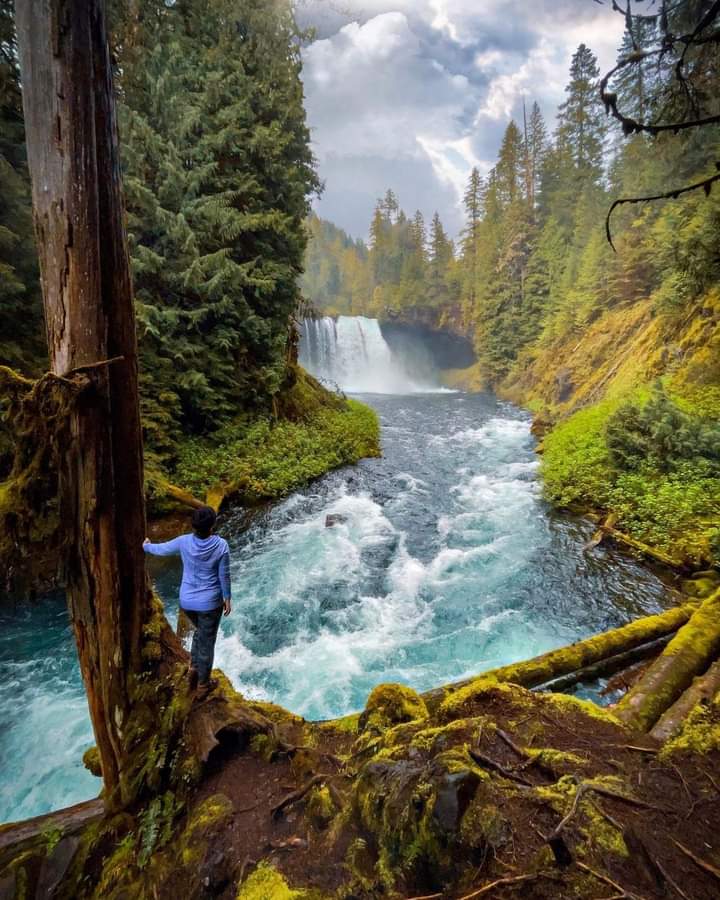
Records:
x=359, y=450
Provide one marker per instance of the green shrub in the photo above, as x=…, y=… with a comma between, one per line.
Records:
x=659, y=435
x=266, y=458
x=655, y=465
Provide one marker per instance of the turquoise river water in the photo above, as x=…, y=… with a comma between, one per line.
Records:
x=444, y=561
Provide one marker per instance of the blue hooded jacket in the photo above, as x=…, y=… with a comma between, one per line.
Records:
x=206, y=569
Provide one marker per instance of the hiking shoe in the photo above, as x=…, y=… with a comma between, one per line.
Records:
x=192, y=679
x=205, y=689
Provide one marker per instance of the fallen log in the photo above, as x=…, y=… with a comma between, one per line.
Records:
x=542, y=669
x=19, y=837
x=608, y=530
x=703, y=688
x=616, y=663
x=180, y=495
x=688, y=654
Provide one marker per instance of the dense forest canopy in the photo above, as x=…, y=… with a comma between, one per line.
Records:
x=217, y=174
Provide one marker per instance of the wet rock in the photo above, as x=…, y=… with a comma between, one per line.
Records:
x=454, y=793
x=335, y=519
x=564, y=385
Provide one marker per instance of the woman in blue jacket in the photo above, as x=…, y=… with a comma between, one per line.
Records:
x=204, y=591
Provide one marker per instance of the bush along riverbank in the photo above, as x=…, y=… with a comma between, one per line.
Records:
x=481, y=788
x=256, y=457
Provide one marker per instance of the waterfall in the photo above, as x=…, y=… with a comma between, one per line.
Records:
x=351, y=352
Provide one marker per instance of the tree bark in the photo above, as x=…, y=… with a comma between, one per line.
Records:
x=73, y=157
x=702, y=689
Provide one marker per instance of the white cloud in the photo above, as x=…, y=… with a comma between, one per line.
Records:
x=411, y=94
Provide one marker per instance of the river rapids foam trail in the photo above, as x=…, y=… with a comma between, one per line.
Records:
x=443, y=561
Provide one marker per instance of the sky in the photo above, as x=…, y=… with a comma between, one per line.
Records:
x=411, y=94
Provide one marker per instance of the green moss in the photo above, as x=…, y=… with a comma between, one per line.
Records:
x=483, y=825
x=345, y=725
x=634, y=455
x=320, y=808
x=51, y=837
x=391, y=704
x=266, y=883
x=541, y=669
x=700, y=732
x=594, y=827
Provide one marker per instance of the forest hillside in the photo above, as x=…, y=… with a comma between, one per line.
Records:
x=616, y=349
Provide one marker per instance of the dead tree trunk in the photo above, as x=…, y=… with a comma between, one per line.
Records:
x=87, y=293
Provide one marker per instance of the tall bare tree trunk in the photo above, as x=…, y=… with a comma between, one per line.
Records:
x=87, y=291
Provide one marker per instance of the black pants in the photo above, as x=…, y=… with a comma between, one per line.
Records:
x=202, y=651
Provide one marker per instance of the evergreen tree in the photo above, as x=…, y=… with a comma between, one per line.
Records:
x=581, y=118
x=21, y=328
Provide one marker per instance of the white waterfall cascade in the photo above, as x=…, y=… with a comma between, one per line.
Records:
x=351, y=352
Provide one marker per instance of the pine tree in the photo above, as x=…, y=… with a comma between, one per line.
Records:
x=21, y=327
x=581, y=120
x=534, y=152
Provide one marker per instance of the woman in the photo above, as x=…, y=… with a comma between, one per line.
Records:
x=204, y=591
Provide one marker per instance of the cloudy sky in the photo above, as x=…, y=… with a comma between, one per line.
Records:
x=410, y=94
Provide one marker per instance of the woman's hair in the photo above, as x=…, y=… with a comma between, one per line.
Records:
x=203, y=521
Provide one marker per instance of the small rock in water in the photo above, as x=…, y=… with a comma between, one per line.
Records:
x=335, y=519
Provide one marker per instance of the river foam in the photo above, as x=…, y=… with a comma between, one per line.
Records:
x=441, y=561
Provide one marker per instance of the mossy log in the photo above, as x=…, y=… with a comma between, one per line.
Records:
x=689, y=654
x=616, y=663
x=703, y=688
x=549, y=666
x=16, y=837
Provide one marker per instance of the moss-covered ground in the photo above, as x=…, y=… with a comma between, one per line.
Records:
x=263, y=458
x=408, y=801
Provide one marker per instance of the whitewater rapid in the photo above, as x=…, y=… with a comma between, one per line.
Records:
x=443, y=561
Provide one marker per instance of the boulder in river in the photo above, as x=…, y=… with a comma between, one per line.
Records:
x=335, y=519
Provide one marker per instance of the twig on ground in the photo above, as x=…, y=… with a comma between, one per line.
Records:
x=491, y=764
x=621, y=892
x=672, y=883
x=298, y=795
x=502, y=882
x=701, y=863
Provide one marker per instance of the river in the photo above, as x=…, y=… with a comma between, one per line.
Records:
x=439, y=560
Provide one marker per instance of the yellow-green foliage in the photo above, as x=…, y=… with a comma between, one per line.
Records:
x=673, y=507
x=462, y=701
x=91, y=761
x=266, y=458
x=266, y=883
x=471, y=379
x=391, y=704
